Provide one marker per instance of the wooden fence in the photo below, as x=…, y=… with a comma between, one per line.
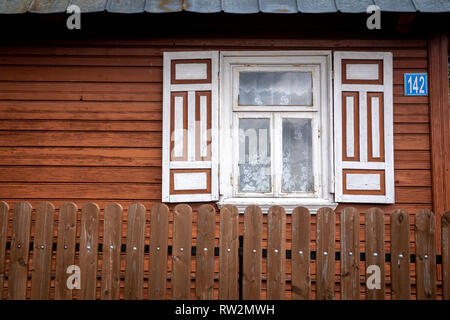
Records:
x=35, y=254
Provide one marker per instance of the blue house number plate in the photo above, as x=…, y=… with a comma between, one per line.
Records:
x=416, y=84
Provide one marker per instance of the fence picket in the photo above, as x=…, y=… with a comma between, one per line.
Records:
x=20, y=245
x=400, y=276
x=374, y=233
x=425, y=238
x=65, y=249
x=446, y=255
x=276, y=253
x=181, y=252
x=90, y=215
x=134, y=266
x=229, y=253
x=4, y=215
x=159, y=233
x=112, y=242
x=206, y=227
x=325, y=253
x=301, y=277
x=252, y=254
x=42, y=252
x=350, y=254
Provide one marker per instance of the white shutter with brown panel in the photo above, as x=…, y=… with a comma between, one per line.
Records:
x=363, y=127
x=190, y=119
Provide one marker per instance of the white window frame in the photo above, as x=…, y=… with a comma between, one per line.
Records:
x=231, y=62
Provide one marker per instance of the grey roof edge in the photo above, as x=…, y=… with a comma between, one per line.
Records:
x=228, y=6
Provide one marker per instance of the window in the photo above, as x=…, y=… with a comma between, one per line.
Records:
x=268, y=128
x=275, y=143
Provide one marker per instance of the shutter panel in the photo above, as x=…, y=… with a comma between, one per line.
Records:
x=190, y=102
x=363, y=127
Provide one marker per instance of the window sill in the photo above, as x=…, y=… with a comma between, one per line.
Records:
x=288, y=204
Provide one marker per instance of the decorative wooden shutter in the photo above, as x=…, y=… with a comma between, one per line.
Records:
x=190, y=118
x=363, y=127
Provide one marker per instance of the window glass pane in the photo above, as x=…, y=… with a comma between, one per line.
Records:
x=254, y=155
x=292, y=88
x=297, y=156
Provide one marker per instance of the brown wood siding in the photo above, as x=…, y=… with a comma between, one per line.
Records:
x=82, y=122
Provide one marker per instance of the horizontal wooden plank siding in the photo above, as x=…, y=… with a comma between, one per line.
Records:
x=81, y=121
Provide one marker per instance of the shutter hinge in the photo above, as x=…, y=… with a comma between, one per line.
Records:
x=231, y=179
x=319, y=134
x=332, y=75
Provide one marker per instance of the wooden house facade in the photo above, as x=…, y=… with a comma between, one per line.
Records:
x=90, y=115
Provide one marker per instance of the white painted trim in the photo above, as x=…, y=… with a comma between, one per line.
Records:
x=288, y=204
x=191, y=71
x=166, y=129
x=191, y=126
x=180, y=55
x=362, y=87
x=317, y=154
x=191, y=163
x=200, y=197
x=375, y=119
x=363, y=126
x=236, y=151
x=350, y=126
x=178, y=130
x=337, y=114
x=364, y=71
x=190, y=181
x=363, y=181
x=389, y=127
x=363, y=165
x=356, y=198
x=388, y=164
x=203, y=125
x=191, y=87
x=266, y=67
